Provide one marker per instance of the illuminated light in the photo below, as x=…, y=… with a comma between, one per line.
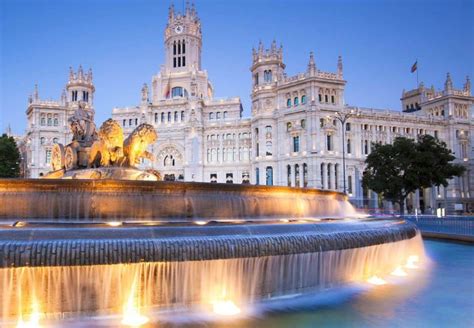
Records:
x=374, y=280
x=225, y=308
x=411, y=262
x=131, y=313
x=20, y=224
x=114, y=224
x=399, y=272
x=284, y=220
x=200, y=222
x=34, y=321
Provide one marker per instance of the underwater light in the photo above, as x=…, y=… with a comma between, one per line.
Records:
x=399, y=272
x=411, y=262
x=374, y=280
x=114, y=224
x=225, y=308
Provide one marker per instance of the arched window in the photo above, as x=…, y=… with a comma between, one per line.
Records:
x=162, y=117
x=296, y=144
x=55, y=140
x=56, y=121
x=211, y=116
x=130, y=122
x=42, y=140
x=218, y=115
x=169, y=116
x=169, y=160
x=322, y=175
x=43, y=120
x=136, y=121
x=50, y=121
x=326, y=98
x=177, y=92
x=124, y=122
x=156, y=117
x=348, y=147
x=267, y=76
x=333, y=100
x=269, y=176
x=329, y=169
x=182, y=116
x=288, y=103
x=225, y=115
x=303, y=99
x=296, y=101
x=303, y=123
x=320, y=98
x=256, y=78
x=176, y=116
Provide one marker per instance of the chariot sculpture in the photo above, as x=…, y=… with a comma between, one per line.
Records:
x=105, y=148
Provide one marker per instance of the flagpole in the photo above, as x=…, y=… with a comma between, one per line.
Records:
x=417, y=84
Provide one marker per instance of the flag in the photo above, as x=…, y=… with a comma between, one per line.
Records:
x=414, y=67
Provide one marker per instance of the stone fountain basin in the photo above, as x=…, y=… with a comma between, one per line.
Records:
x=60, y=244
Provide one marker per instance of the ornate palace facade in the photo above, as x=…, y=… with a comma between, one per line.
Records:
x=292, y=137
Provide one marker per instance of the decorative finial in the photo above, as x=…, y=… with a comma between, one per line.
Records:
x=36, y=93
x=339, y=67
x=311, y=64
x=260, y=47
x=71, y=74
x=80, y=73
x=145, y=93
x=467, y=85
x=448, y=85
x=171, y=12
x=274, y=46
x=89, y=75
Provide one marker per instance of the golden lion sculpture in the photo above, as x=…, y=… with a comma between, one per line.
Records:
x=108, y=149
x=134, y=147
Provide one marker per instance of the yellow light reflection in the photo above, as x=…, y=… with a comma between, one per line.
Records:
x=374, y=280
x=225, y=307
x=131, y=312
x=114, y=224
x=412, y=262
x=200, y=222
x=399, y=272
x=34, y=318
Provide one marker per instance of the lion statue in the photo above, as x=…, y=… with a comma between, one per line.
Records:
x=136, y=144
x=107, y=151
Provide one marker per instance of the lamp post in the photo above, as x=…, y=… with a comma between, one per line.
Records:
x=343, y=117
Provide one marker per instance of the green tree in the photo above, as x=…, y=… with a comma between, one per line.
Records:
x=396, y=170
x=9, y=158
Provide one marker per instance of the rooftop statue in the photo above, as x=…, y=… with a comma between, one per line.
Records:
x=102, y=154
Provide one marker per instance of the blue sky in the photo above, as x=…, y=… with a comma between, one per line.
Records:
x=122, y=40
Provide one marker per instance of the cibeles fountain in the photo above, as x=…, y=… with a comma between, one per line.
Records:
x=99, y=239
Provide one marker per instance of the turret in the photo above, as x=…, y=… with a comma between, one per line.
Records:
x=80, y=86
x=267, y=65
x=183, y=39
x=145, y=93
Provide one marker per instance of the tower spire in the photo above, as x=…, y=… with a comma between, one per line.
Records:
x=448, y=85
x=467, y=85
x=311, y=64
x=36, y=93
x=339, y=67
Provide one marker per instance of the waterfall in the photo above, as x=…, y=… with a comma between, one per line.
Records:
x=193, y=285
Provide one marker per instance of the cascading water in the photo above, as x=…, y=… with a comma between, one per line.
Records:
x=183, y=247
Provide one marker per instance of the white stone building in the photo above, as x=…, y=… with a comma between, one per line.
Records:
x=292, y=137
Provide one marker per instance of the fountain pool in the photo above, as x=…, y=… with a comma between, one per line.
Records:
x=130, y=253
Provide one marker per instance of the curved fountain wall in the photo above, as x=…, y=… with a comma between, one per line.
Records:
x=149, y=200
x=257, y=243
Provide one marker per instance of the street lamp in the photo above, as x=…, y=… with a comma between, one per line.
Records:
x=343, y=117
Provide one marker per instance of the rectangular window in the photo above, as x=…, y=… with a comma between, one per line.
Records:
x=48, y=156
x=296, y=144
x=184, y=61
x=179, y=61
x=348, y=126
x=349, y=150
x=174, y=61
x=349, y=184
x=329, y=142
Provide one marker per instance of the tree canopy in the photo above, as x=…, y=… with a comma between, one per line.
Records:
x=396, y=170
x=9, y=158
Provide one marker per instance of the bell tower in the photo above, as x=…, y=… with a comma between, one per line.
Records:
x=183, y=40
x=80, y=87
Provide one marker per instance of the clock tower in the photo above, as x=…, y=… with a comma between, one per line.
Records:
x=183, y=40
